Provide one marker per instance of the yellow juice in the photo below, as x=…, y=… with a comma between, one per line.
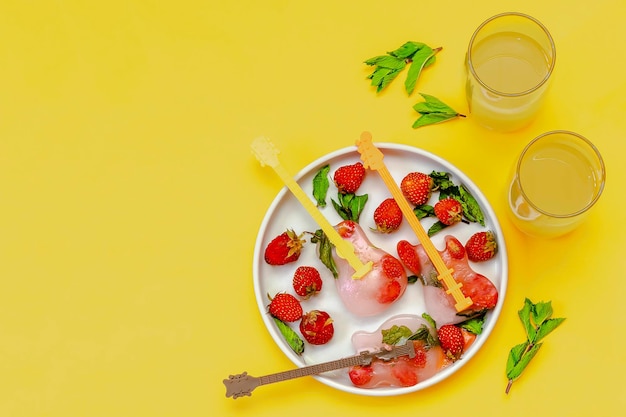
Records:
x=512, y=65
x=555, y=183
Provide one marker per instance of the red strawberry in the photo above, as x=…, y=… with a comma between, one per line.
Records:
x=408, y=256
x=455, y=248
x=417, y=187
x=317, y=327
x=285, y=307
x=284, y=248
x=348, y=178
x=451, y=340
x=307, y=281
x=481, y=246
x=388, y=216
x=389, y=292
x=361, y=375
x=448, y=211
x=392, y=267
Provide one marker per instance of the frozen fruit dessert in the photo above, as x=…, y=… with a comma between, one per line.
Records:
x=439, y=304
x=378, y=289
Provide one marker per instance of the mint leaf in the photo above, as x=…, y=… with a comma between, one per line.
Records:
x=325, y=251
x=320, y=185
x=519, y=363
x=541, y=312
x=435, y=228
x=291, y=337
x=396, y=334
x=474, y=325
x=433, y=111
x=420, y=58
x=350, y=206
x=547, y=327
x=407, y=50
x=524, y=315
x=471, y=208
x=424, y=211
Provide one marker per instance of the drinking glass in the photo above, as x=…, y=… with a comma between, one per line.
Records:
x=558, y=177
x=509, y=62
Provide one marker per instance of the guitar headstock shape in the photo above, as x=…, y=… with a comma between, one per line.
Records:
x=371, y=156
x=265, y=151
x=240, y=385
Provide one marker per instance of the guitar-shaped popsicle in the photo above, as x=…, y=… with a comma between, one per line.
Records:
x=267, y=154
x=243, y=384
x=372, y=158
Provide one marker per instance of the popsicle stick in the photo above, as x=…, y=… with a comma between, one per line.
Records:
x=372, y=158
x=267, y=154
x=243, y=384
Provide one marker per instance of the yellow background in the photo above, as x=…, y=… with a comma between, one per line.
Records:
x=131, y=203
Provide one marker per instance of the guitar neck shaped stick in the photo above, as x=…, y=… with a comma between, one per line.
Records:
x=243, y=384
x=267, y=154
x=372, y=158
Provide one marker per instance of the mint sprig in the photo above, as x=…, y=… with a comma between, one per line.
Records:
x=387, y=67
x=538, y=323
x=432, y=111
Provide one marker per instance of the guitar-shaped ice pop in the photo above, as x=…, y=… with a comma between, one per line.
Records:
x=267, y=154
x=243, y=384
x=372, y=158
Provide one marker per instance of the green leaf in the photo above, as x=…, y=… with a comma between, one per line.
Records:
x=291, y=337
x=421, y=56
x=541, y=311
x=523, y=362
x=424, y=211
x=406, y=50
x=325, y=251
x=350, y=206
x=387, y=61
x=474, y=325
x=442, y=181
x=396, y=334
x=433, y=111
x=436, y=228
x=547, y=327
x=320, y=185
x=432, y=119
x=471, y=208
x=515, y=355
x=412, y=279
x=524, y=316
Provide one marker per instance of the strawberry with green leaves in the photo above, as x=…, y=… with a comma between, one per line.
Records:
x=348, y=178
x=449, y=211
x=285, y=307
x=481, y=246
x=417, y=187
x=317, y=327
x=388, y=216
x=307, y=281
x=284, y=248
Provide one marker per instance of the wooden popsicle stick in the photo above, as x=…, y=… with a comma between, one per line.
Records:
x=372, y=158
x=267, y=154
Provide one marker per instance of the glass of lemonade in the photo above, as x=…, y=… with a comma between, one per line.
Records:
x=558, y=177
x=509, y=62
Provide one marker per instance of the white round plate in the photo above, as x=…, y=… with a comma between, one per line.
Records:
x=286, y=212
